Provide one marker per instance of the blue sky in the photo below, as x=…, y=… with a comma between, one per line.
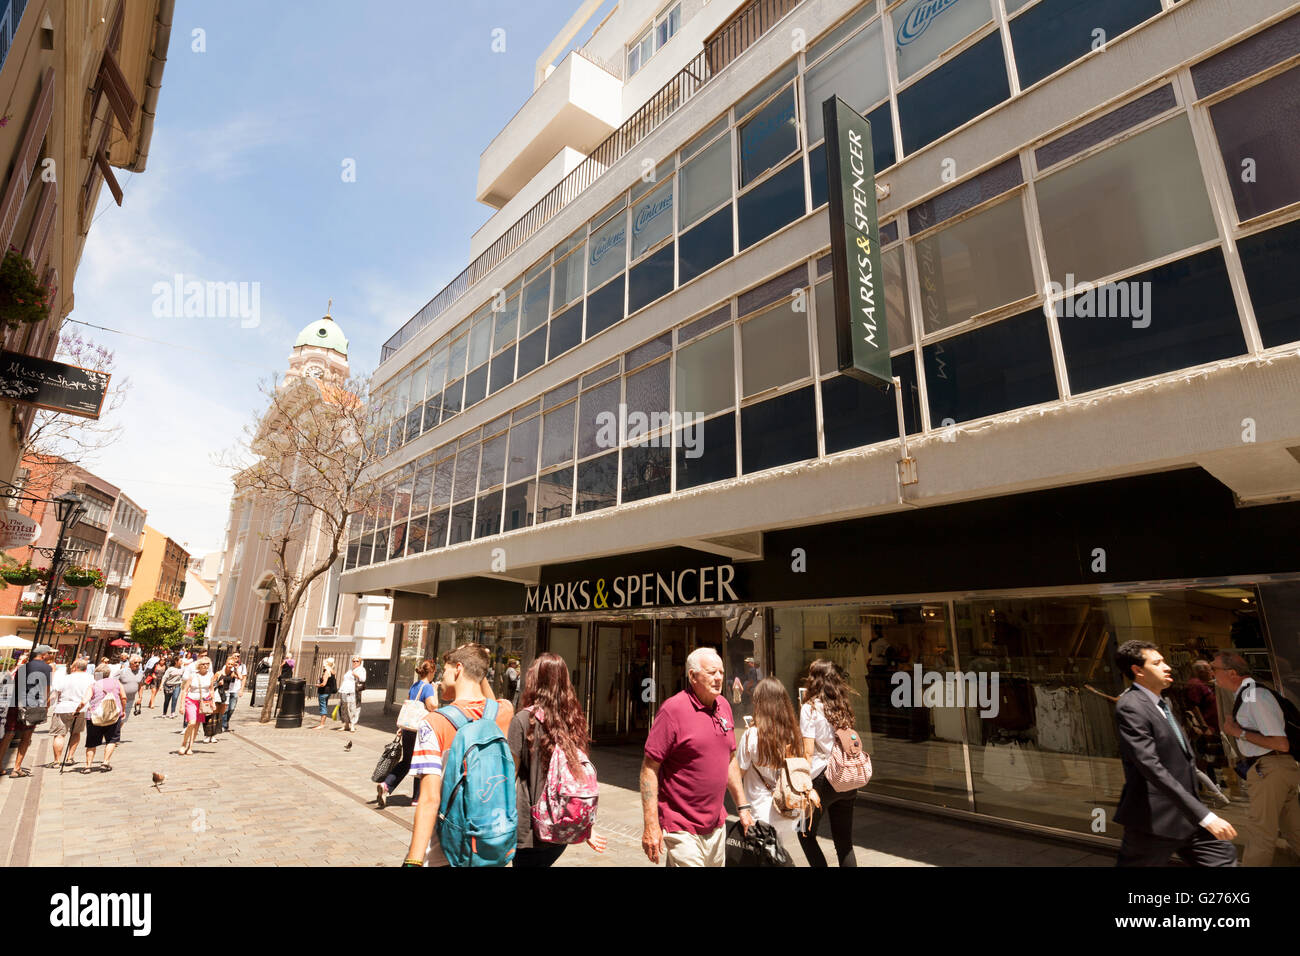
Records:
x=244, y=184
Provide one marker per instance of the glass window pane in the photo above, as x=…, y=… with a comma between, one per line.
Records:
x=777, y=202
x=705, y=452
x=462, y=522
x=702, y=140
x=1268, y=259
x=503, y=370
x=897, y=308
x=605, y=306
x=519, y=505
x=570, y=277
x=957, y=91
x=779, y=431
x=651, y=278
x=706, y=181
x=436, y=536
x=855, y=414
x=705, y=246
x=647, y=471
x=974, y=265
x=437, y=376
x=532, y=352
x=1057, y=32
x=557, y=435
x=506, y=324
x=766, y=89
x=492, y=470
x=607, y=251
x=992, y=369
x=442, y=481
x=1262, y=124
x=647, y=396
x=480, y=342
x=855, y=72
x=420, y=493
x=456, y=359
x=824, y=307
x=1142, y=199
x=598, y=418
x=566, y=332
x=487, y=516
x=663, y=172
x=598, y=483
x=924, y=29
x=451, y=398
x=705, y=377
x=773, y=349
x=1188, y=317
x=555, y=495
x=652, y=219
x=768, y=137
x=432, y=411
x=537, y=303
x=476, y=386
x=466, y=473
x=523, y=449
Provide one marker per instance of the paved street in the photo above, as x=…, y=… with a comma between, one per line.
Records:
x=275, y=797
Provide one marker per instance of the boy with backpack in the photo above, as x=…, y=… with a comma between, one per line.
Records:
x=466, y=812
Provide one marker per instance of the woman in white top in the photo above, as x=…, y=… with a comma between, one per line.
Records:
x=827, y=708
x=760, y=756
x=197, y=689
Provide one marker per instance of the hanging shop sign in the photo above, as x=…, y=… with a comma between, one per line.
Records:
x=56, y=386
x=16, y=529
x=861, y=333
x=711, y=584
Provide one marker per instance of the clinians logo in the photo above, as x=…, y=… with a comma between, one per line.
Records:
x=650, y=212
x=920, y=17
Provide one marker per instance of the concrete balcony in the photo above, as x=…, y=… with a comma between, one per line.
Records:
x=577, y=106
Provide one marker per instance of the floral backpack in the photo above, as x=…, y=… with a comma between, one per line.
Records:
x=565, y=811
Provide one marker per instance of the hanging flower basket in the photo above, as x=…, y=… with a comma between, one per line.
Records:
x=23, y=574
x=30, y=608
x=64, y=627
x=67, y=604
x=23, y=298
x=79, y=577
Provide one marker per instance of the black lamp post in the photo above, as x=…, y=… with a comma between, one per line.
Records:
x=69, y=509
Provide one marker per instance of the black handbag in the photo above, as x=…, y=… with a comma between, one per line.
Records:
x=389, y=759
x=759, y=847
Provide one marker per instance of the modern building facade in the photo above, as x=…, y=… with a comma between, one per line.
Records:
x=118, y=559
x=247, y=607
x=623, y=433
x=80, y=80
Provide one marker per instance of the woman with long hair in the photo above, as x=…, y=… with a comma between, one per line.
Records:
x=762, y=752
x=550, y=718
x=827, y=708
x=424, y=690
x=326, y=687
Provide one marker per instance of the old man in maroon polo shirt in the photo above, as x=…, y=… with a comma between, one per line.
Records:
x=687, y=770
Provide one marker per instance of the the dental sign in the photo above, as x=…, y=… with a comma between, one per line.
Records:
x=711, y=584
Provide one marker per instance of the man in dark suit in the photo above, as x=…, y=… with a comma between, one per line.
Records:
x=1159, y=808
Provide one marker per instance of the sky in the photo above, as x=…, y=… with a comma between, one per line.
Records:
x=261, y=118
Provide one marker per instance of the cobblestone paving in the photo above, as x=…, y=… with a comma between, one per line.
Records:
x=266, y=796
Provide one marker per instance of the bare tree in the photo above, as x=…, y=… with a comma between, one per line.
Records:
x=309, y=450
x=63, y=442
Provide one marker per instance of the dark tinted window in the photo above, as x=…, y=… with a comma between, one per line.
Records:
x=519, y=505
x=1269, y=260
x=995, y=368
x=566, y=331
x=451, y=399
x=777, y=202
x=488, y=519
x=706, y=453
x=956, y=92
x=705, y=246
x=855, y=414
x=492, y=469
x=779, y=430
x=432, y=409
x=1057, y=32
x=436, y=537
x=503, y=370
x=462, y=522
x=476, y=386
x=767, y=137
x=598, y=483
x=882, y=146
x=650, y=279
x=523, y=449
x=555, y=495
x=646, y=472
x=1190, y=319
x=605, y=306
x=532, y=351
x=1259, y=134
x=415, y=535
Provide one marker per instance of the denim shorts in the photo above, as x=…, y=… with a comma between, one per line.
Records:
x=324, y=704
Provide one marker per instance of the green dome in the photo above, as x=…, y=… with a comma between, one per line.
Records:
x=323, y=333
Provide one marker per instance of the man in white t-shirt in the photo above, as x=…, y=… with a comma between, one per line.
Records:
x=68, y=710
x=350, y=691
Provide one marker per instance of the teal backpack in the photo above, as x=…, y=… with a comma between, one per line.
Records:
x=476, y=817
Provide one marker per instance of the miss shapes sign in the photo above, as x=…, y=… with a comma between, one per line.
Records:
x=706, y=585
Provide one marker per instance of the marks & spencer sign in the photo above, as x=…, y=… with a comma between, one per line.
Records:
x=711, y=584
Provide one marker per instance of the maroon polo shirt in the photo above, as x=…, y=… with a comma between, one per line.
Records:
x=693, y=745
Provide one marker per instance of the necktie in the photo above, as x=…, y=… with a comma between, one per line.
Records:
x=1164, y=708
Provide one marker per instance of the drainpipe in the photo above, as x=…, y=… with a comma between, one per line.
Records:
x=153, y=81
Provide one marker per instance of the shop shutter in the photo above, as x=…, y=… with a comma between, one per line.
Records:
x=20, y=178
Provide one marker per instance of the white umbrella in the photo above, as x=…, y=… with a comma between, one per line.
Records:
x=14, y=642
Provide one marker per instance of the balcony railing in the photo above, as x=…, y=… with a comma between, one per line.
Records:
x=734, y=37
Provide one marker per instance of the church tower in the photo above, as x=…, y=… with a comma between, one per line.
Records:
x=320, y=351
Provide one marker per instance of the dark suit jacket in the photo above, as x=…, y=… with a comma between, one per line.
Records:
x=1159, y=776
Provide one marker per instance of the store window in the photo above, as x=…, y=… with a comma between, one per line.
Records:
x=555, y=495
x=503, y=370
x=855, y=414
x=1176, y=316
x=768, y=137
x=1268, y=258
x=532, y=352
x=705, y=376
x=974, y=266
x=706, y=245
x=706, y=452
x=1055, y=33
x=650, y=279
x=924, y=30
x=774, y=349
x=956, y=92
x=605, y=306
x=992, y=369
x=779, y=431
x=771, y=205
x=1258, y=139
x=1135, y=202
x=566, y=332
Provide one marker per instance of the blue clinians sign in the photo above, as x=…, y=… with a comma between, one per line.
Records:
x=919, y=17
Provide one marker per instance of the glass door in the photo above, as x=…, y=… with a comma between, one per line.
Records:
x=609, y=670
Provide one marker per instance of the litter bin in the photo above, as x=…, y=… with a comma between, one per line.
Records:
x=292, y=696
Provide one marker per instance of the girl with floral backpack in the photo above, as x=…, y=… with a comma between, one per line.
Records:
x=553, y=775
x=840, y=765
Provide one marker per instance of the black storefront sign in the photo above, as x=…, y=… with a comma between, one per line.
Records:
x=665, y=586
x=1179, y=525
x=56, y=386
x=861, y=332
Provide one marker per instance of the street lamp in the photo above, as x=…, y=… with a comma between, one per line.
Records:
x=69, y=508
